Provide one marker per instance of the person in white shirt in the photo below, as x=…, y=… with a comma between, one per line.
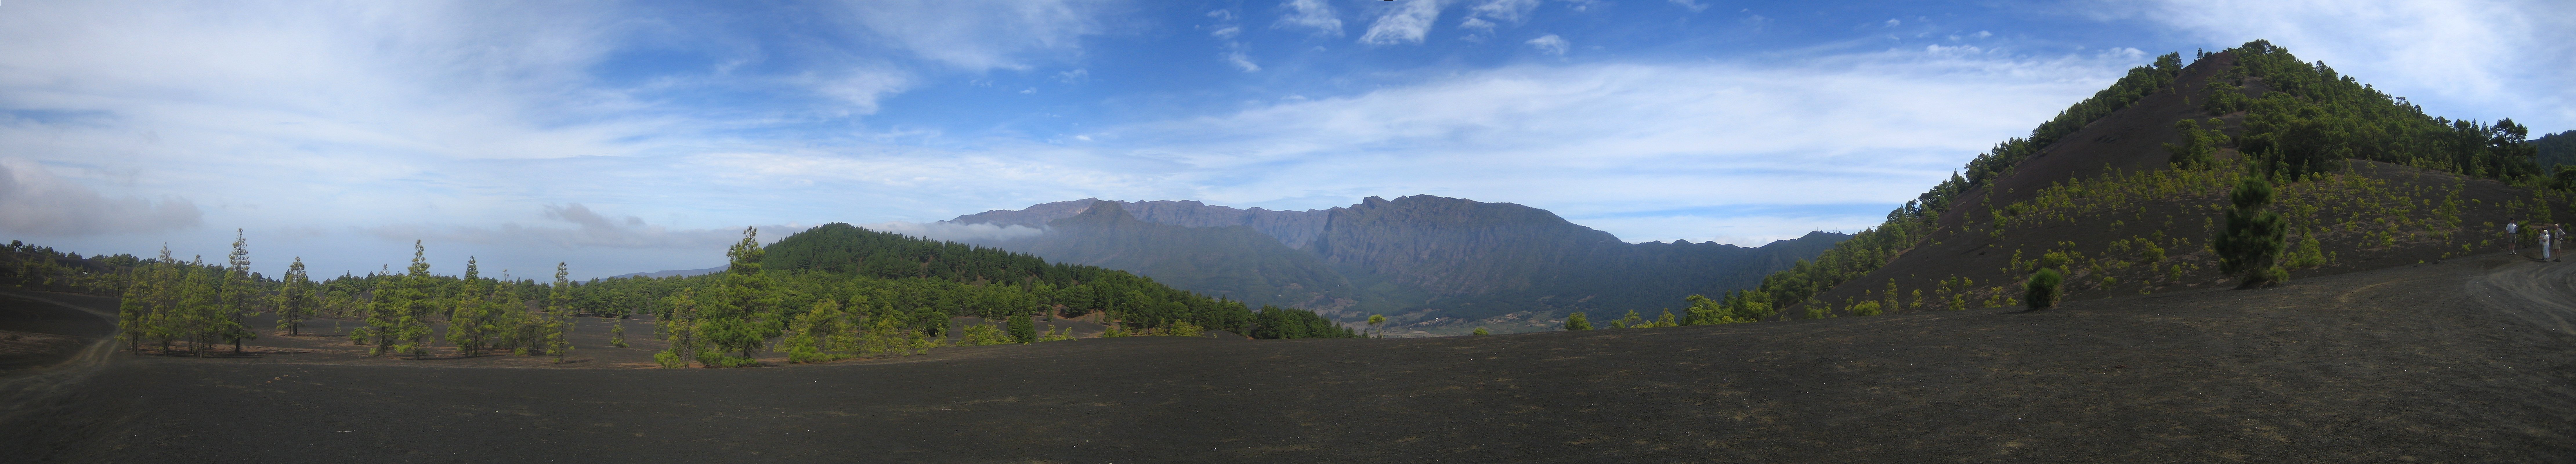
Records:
x=2513, y=236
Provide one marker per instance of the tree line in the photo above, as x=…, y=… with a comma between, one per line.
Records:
x=836, y=290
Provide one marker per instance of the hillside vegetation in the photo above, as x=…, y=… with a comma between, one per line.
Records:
x=2124, y=192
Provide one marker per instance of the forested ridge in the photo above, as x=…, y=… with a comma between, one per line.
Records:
x=2295, y=123
x=832, y=292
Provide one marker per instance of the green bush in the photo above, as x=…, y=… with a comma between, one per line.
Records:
x=1022, y=330
x=1866, y=308
x=1576, y=322
x=983, y=334
x=2042, y=290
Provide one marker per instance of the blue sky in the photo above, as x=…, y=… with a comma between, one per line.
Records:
x=640, y=136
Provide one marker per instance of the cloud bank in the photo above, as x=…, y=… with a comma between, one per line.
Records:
x=35, y=202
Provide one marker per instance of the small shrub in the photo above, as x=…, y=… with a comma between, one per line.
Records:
x=983, y=334
x=2042, y=290
x=1577, y=322
x=1481, y=331
x=1866, y=308
x=1184, y=329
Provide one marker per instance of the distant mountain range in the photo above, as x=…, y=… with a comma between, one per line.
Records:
x=1425, y=260
x=672, y=273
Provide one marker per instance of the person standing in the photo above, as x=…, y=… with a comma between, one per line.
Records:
x=2557, y=233
x=2544, y=243
x=2513, y=236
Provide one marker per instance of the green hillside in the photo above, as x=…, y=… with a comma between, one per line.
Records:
x=2128, y=192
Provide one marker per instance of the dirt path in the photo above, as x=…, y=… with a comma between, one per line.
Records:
x=34, y=392
x=2543, y=294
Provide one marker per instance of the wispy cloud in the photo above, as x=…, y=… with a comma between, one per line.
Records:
x=1311, y=14
x=2471, y=58
x=587, y=229
x=1406, y=23
x=981, y=35
x=1549, y=44
x=1602, y=140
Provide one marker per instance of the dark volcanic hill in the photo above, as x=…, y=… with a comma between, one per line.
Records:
x=1432, y=263
x=2098, y=193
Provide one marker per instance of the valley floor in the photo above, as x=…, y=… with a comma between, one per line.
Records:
x=2464, y=361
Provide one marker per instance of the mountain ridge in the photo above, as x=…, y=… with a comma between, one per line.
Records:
x=1419, y=258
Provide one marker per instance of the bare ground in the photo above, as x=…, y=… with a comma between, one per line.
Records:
x=2464, y=361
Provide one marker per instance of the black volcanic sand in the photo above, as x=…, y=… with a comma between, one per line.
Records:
x=2457, y=362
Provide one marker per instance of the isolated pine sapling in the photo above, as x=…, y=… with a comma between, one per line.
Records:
x=2253, y=240
x=1022, y=330
x=2042, y=290
x=1576, y=321
x=617, y=334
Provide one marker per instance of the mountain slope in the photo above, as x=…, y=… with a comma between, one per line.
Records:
x=1432, y=263
x=2365, y=181
x=1234, y=261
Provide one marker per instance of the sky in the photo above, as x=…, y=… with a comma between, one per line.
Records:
x=623, y=137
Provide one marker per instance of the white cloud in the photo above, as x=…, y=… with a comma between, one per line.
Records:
x=1240, y=61
x=860, y=89
x=35, y=202
x=1404, y=23
x=1504, y=11
x=1894, y=23
x=1598, y=141
x=970, y=233
x=1311, y=14
x=2480, y=59
x=1695, y=7
x=1549, y=44
x=978, y=36
x=589, y=230
x=1227, y=33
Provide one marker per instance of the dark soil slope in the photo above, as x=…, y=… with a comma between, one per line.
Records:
x=2126, y=222
x=2458, y=362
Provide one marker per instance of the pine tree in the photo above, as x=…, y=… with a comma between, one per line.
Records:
x=813, y=334
x=296, y=301
x=681, y=326
x=1481, y=331
x=236, y=294
x=1022, y=330
x=397, y=321
x=738, y=314
x=2042, y=290
x=2255, y=236
x=558, y=315
x=617, y=334
x=1576, y=322
x=200, y=305
x=1374, y=321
